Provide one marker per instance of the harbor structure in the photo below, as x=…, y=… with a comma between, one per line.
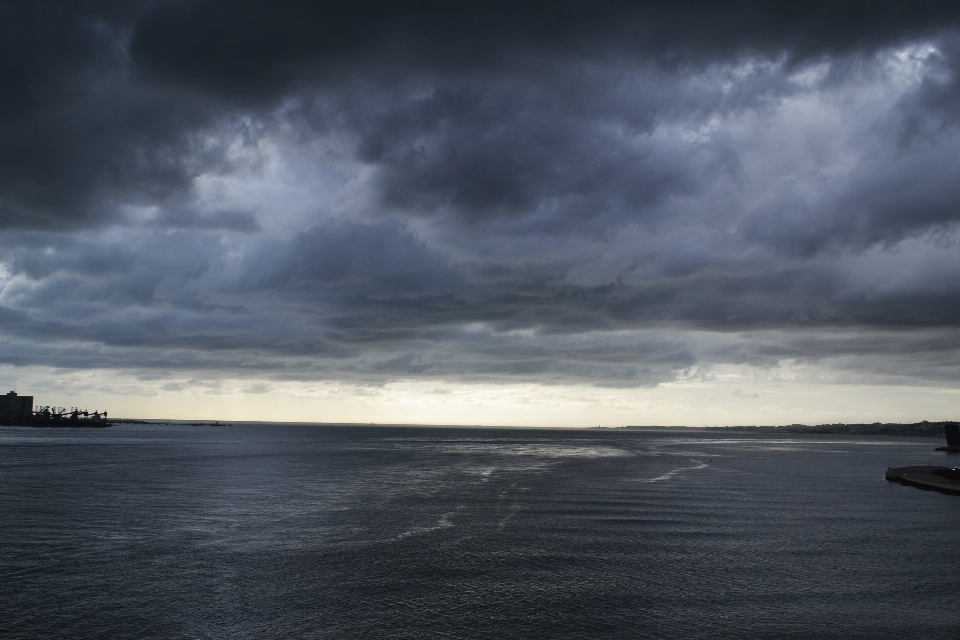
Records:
x=952, y=432
x=930, y=478
x=941, y=479
x=16, y=409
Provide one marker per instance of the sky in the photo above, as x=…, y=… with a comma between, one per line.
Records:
x=482, y=212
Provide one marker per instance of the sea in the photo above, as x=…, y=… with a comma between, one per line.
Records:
x=338, y=531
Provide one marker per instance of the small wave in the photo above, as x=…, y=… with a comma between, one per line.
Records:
x=670, y=474
x=442, y=523
x=511, y=512
x=539, y=450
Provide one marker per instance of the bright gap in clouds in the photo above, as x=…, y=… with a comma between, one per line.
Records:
x=733, y=396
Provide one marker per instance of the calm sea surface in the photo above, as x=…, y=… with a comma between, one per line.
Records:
x=285, y=531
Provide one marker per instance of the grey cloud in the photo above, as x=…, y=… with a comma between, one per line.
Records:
x=351, y=259
x=898, y=192
x=523, y=187
x=340, y=291
x=513, y=154
x=241, y=221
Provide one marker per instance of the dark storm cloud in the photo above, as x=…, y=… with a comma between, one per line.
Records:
x=512, y=125
x=544, y=190
x=241, y=49
x=108, y=101
x=79, y=132
x=513, y=150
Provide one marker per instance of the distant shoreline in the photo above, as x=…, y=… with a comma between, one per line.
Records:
x=922, y=429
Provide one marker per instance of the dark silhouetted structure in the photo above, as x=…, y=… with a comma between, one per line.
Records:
x=941, y=479
x=16, y=409
x=952, y=431
x=953, y=434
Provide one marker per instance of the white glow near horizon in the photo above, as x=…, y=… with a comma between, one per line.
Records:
x=725, y=399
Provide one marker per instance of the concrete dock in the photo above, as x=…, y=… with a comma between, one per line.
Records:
x=942, y=479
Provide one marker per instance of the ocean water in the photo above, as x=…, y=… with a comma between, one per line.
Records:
x=288, y=531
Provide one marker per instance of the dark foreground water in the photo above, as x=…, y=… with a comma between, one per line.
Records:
x=273, y=531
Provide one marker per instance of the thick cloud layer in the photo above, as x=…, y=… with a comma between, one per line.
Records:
x=495, y=191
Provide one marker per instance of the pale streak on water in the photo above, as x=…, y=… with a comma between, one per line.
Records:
x=283, y=531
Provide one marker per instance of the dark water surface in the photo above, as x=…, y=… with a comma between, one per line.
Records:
x=274, y=531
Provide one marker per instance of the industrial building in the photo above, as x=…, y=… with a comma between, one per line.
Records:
x=16, y=409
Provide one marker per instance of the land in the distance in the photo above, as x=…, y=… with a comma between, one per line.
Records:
x=923, y=429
